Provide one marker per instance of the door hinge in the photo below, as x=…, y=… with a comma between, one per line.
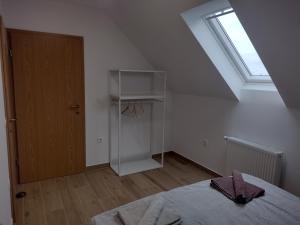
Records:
x=10, y=52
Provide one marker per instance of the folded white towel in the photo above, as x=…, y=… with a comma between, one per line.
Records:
x=153, y=212
x=132, y=214
x=149, y=213
x=168, y=217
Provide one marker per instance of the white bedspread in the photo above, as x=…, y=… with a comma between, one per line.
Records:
x=200, y=204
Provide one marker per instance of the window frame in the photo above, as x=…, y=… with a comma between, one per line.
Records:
x=229, y=48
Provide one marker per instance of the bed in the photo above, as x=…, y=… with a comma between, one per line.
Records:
x=200, y=204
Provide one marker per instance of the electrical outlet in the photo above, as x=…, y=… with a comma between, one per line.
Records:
x=99, y=140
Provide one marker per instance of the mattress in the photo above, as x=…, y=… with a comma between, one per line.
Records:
x=200, y=204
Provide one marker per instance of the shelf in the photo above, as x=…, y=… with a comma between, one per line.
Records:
x=137, y=97
x=137, y=71
x=136, y=166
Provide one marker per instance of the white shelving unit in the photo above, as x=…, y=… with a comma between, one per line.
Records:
x=137, y=120
x=137, y=97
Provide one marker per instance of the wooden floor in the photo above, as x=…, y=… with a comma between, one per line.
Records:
x=73, y=200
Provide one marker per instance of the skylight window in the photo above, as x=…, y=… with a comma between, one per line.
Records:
x=236, y=43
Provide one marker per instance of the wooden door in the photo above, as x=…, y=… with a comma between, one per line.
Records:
x=48, y=75
x=9, y=114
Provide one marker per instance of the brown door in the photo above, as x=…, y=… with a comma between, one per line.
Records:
x=9, y=114
x=48, y=74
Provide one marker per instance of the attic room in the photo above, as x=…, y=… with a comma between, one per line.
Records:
x=139, y=112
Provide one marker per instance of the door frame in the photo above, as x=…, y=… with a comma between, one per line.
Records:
x=8, y=94
x=81, y=38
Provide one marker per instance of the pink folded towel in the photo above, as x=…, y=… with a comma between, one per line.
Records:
x=236, y=189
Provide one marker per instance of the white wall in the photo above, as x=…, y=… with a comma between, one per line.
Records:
x=5, y=207
x=260, y=117
x=105, y=48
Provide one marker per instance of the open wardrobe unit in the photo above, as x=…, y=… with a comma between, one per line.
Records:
x=137, y=120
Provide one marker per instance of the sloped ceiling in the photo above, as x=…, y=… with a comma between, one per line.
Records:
x=274, y=28
x=158, y=30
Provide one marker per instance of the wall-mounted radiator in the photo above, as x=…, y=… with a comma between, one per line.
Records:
x=254, y=159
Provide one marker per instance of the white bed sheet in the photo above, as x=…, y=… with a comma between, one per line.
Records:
x=200, y=204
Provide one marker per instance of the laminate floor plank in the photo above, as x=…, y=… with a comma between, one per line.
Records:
x=140, y=185
x=34, y=207
x=69, y=204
